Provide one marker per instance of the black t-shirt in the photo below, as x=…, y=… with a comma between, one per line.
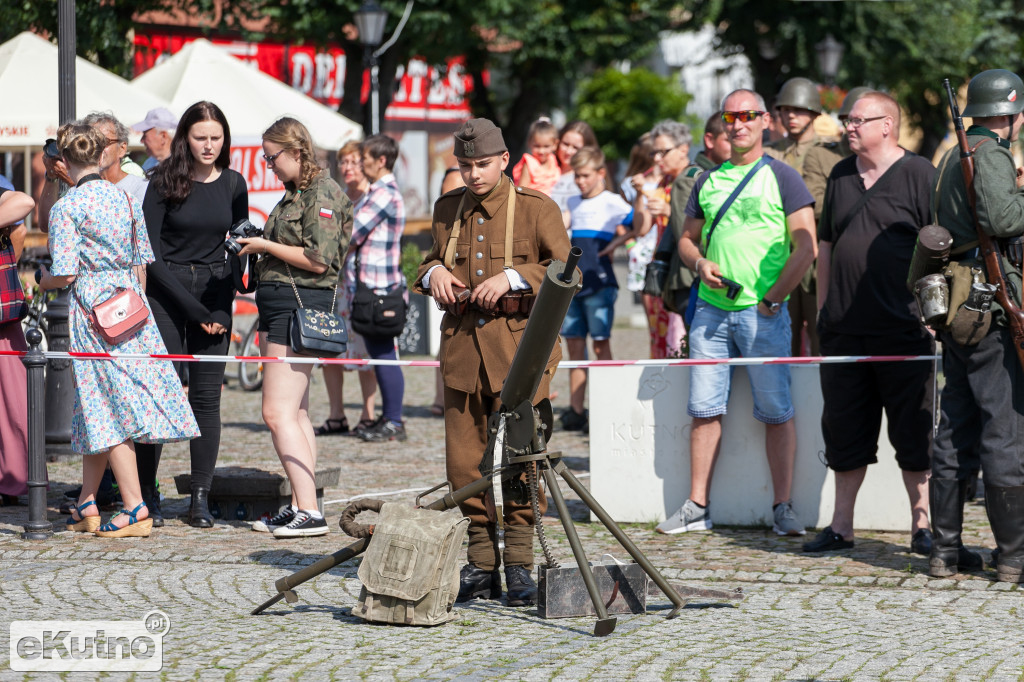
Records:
x=867, y=290
x=193, y=232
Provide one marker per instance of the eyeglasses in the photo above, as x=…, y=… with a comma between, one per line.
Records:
x=111, y=141
x=347, y=162
x=741, y=116
x=858, y=122
x=272, y=158
x=658, y=153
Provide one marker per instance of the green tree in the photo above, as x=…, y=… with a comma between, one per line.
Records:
x=102, y=28
x=623, y=106
x=905, y=48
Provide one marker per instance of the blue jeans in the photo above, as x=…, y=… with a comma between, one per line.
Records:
x=591, y=314
x=718, y=333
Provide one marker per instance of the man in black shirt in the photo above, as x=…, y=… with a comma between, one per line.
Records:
x=875, y=203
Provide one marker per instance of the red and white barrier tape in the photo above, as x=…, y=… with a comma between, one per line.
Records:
x=565, y=364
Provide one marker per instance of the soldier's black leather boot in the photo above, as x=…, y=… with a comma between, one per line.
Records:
x=946, y=497
x=522, y=591
x=1005, y=507
x=476, y=583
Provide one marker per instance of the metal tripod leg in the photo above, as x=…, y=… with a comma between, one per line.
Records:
x=605, y=624
x=614, y=529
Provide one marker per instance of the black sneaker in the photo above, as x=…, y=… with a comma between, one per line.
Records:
x=826, y=541
x=303, y=525
x=574, y=421
x=384, y=431
x=364, y=426
x=476, y=583
x=522, y=591
x=268, y=524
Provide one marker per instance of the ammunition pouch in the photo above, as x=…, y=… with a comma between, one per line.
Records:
x=410, y=573
x=1013, y=251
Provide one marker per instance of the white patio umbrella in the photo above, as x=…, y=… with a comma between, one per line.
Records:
x=28, y=81
x=250, y=99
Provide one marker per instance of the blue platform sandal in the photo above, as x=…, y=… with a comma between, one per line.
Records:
x=84, y=524
x=136, y=528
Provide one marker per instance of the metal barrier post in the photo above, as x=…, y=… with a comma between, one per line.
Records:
x=60, y=392
x=37, y=528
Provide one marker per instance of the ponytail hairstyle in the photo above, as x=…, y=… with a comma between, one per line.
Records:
x=172, y=177
x=292, y=135
x=80, y=144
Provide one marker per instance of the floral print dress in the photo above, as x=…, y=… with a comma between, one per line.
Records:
x=91, y=238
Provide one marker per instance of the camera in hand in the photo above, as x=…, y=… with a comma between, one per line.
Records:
x=50, y=148
x=241, y=230
x=734, y=288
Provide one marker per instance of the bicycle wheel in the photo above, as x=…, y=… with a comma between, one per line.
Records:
x=250, y=374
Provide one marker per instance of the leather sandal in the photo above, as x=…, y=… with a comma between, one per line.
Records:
x=136, y=528
x=332, y=427
x=84, y=524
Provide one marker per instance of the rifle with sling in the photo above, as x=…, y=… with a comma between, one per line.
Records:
x=990, y=252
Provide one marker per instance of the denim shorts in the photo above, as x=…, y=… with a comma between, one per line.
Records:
x=718, y=333
x=592, y=315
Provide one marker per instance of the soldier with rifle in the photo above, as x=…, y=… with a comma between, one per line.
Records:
x=980, y=201
x=492, y=244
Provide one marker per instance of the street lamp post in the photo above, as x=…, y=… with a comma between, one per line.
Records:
x=370, y=19
x=830, y=55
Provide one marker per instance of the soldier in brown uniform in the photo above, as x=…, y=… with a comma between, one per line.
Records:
x=798, y=104
x=496, y=240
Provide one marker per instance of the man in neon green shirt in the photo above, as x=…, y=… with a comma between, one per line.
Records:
x=751, y=245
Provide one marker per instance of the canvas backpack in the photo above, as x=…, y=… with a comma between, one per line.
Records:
x=410, y=572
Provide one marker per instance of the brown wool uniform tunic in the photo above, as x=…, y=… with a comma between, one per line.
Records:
x=477, y=348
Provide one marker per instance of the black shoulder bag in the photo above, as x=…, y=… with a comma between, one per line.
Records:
x=319, y=333
x=377, y=316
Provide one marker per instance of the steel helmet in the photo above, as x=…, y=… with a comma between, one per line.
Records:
x=799, y=93
x=996, y=92
x=851, y=98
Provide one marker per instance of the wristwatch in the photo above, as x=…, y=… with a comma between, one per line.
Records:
x=773, y=308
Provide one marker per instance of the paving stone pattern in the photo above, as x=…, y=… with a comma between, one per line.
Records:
x=872, y=613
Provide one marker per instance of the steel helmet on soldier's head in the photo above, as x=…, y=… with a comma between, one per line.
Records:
x=799, y=93
x=996, y=92
x=851, y=98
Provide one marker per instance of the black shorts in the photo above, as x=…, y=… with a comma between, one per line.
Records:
x=856, y=393
x=276, y=301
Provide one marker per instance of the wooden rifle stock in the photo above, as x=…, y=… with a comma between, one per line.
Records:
x=989, y=251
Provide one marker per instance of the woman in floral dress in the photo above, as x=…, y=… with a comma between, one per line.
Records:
x=99, y=244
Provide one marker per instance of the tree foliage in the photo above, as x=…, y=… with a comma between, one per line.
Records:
x=906, y=48
x=102, y=27
x=623, y=106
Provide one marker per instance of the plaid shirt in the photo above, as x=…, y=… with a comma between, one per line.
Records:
x=12, y=298
x=377, y=225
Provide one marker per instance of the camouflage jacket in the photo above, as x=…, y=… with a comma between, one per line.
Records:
x=319, y=219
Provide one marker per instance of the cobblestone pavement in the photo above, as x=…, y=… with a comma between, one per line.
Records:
x=872, y=613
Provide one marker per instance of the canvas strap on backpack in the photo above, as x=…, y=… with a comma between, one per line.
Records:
x=410, y=572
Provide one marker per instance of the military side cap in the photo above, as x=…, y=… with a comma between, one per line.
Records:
x=478, y=137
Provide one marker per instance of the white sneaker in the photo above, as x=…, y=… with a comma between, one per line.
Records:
x=688, y=517
x=786, y=522
x=303, y=525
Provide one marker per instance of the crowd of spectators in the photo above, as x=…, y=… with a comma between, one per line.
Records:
x=754, y=289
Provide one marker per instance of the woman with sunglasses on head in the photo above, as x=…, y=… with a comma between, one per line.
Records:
x=300, y=261
x=192, y=202
x=99, y=245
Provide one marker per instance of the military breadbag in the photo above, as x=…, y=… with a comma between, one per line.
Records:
x=410, y=572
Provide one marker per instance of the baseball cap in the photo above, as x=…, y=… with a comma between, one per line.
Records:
x=157, y=118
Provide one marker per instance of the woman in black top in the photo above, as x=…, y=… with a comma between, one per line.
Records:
x=192, y=202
